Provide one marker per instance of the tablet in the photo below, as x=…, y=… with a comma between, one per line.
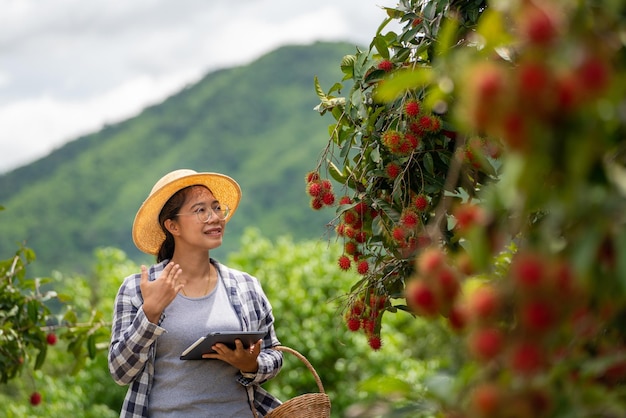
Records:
x=203, y=344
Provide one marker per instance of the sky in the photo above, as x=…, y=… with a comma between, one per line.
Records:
x=68, y=67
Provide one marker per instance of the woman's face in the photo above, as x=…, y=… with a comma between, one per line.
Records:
x=191, y=228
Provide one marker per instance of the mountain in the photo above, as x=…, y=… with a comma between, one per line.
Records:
x=255, y=123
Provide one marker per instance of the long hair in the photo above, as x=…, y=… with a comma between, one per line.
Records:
x=170, y=210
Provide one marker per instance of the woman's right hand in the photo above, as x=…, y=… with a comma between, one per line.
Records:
x=158, y=294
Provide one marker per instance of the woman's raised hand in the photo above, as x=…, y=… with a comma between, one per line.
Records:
x=158, y=294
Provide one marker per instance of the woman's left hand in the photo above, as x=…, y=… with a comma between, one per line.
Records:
x=241, y=357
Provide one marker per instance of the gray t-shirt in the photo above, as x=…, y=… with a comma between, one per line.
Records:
x=196, y=388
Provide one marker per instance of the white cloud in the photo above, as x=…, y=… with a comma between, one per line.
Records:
x=70, y=66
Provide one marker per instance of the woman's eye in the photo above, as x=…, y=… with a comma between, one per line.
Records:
x=200, y=210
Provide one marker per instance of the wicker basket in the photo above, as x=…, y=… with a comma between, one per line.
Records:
x=309, y=405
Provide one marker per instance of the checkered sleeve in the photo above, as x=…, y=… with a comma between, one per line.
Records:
x=132, y=333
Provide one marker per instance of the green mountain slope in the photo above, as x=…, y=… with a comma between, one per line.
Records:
x=255, y=123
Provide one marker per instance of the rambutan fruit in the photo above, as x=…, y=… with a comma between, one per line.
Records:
x=412, y=108
x=328, y=198
x=314, y=189
x=361, y=209
x=392, y=170
x=486, y=399
x=350, y=247
x=316, y=203
x=312, y=176
x=399, y=233
x=431, y=260
x=345, y=200
x=448, y=284
x=486, y=343
x=537, y=316
x=354, y=324
x=363, y=267
x=349, y=217
x=421, y=298
x=484, y=303
x=409, y=218
x=392, y=139
x=385, y=65
x=420, y=202
x=538, y=25
x=528, y=271
x=369, y=326
x=526, y=358
x=411, y=142
x=344, y=262
x=375, y=342
x=467, y=216
x=457, y=317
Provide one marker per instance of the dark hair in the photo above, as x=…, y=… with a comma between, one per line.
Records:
x=170, y=211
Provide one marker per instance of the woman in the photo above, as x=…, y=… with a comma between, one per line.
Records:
x=165, y=308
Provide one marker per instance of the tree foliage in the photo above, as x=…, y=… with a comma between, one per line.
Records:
x=480, y=154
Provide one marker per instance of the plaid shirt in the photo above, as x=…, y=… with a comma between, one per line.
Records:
x=132, y=350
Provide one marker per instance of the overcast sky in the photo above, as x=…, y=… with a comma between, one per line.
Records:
x=69, y=66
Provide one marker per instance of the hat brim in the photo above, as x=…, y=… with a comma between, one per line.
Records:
x=147, y=233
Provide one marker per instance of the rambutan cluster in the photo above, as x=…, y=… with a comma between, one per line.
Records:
x=353, y=227
x=512, y=102
x=365, y=314
x=435, y=286
x=399, y=143
x=320, y=190
x=527, y=348
x=408, y=235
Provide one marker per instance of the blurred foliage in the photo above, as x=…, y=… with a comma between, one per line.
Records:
x=73, y=377
x=480, y=156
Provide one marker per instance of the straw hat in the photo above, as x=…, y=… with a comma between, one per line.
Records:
x=147, y=233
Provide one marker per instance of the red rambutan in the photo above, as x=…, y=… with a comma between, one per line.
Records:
x=344, y=262
x=420, y=202
x=328, y=198
x=431, y=260
x=412, y=108
x=316, y=203
x=312, y=176
x=314, y=189
x=350, y=247
x=526, y=358
x=484, y=303
x=375, y=342
x=363, y=267
x=385, y=65
x=486, y=343
x=409, y=219
x=421, y=298
x=392, y=170
x=354, y=324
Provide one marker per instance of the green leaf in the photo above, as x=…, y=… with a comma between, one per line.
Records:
x=41, y=357
x=380, y=44
x=335, y=173
x=429, y=165
x=402, y=81
x=91, y=346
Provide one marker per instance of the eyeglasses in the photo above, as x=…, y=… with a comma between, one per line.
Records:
x=204, y=214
